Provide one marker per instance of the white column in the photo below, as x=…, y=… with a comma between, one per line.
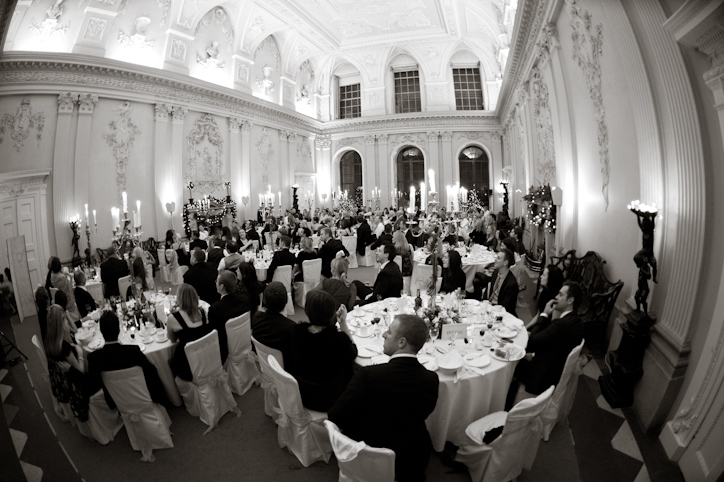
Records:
x=86, y=105
x=245, y=186
x=322, y=145
x=369, y=169
x=291, y=177
x=284, y=186
x=384, y=170
x=162, y=167
x=323, y=109
x=235, y=173
x=63, y=176
x=175, y=173
x=446, y=176
x=433, y=162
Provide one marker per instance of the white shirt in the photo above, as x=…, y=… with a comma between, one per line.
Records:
x=403, y=355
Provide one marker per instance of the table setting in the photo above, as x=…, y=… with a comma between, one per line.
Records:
x=474, y=260
x=473, y=348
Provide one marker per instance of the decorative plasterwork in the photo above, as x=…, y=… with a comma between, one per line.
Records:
x=205, y=148
x=545, y=160
x=346, y=141
x=265, y=149
x=66, y=101
x=548, y=39
x=138, y=40
x=164, y=5
x=20, y=124
x=120, y=136
x=13, y=190
x=51, y=25
x=87, y=103
x=179, y=113
x=470, y=135
x=162, y=111
x=304, y=152
x=219, y=18
x=23, y=182
x=95, y=28
x=178, y=50
x=323, y=142
x=409, y=138
x=269, y=45
x=210, y=59
x=587, y=51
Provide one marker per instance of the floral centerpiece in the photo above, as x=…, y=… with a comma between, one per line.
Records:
x=435, y=316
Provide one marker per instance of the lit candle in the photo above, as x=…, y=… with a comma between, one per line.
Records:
x=95, y=221
x=412, y=199
x=135, y=218
x=423, y=196
x=138, y=208
x=86, y=214
x=431, y=175
x=260, y=200
x=280, y=199
x=125, y=201
x=114, y=217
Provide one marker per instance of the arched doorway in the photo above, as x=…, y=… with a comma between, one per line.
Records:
x=474, y=172
x=350, y=172
x=410, y=172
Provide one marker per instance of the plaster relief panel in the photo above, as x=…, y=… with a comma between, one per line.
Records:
x=21, y=123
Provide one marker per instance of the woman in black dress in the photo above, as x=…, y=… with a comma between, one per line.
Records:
x=453, y=276
x=307, y=253
x=187, y=324
x=322, y=358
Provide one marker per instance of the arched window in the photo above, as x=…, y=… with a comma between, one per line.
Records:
x=350, y=172
x=474, y=175
x=410, y=171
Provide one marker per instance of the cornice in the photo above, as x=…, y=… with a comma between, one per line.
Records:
x=29, y=72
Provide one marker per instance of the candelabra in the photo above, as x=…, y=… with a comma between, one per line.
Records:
x=227, y=185
x=432, y=202
x=504, y=183
x=88, y=250
x=74, y=226
x=190, y=187
x=295, y=198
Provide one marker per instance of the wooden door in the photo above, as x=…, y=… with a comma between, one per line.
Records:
x=8, y=229
x=27, y=226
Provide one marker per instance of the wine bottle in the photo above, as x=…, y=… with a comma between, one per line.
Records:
x=418, y=301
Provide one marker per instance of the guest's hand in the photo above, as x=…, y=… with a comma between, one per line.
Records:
x=550, y=306
x=342, y=315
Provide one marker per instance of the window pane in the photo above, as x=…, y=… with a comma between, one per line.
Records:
x=468, y=91
x=474, y=165
x=407, y=92
x=350, y=172
x=349, y=101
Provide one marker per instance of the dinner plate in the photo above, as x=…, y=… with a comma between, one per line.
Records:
x=368, y=309
x=357, y=313
x=515, y=353
x=368, y=351
x=477, y=359
x=161, y=339
x=97, y=344
x=505, y=332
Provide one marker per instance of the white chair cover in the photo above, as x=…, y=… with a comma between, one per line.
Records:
x=162, y=257
x=271, y=397
x=149, y=278
x=241, y=362
x=420, y=279
x=123, y=285
x=283, y=274
x=565, y=392
x=163, y=266
x=312, y=270
x=52, y=294
x=315, y=241
x=103, y=423
x=177, y=274
x=358, y=462
x=57, y=406
x=208, y=396
x=147, y=423
x=350, y=242
x=368, y=259
x=300, y=430
x=514, y=450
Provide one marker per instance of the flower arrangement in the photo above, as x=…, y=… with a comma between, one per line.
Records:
x=436, y=316
x=541, y=210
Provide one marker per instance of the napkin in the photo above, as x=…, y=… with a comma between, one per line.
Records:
x=450, y=361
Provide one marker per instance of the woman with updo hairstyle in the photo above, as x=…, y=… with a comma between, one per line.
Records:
x=249, y=285
x=186, y=325
x=343, y=292
x=321, y=356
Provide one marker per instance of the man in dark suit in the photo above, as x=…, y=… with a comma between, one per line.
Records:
x=216, y=251
x=270, y=327
x=389, y=280
x=281, y=258
x=408, y=393
x=112, y=270
x=551, y=340
x=385, y=237
x=83, y=300
x=501, y=286
x=197, y=243
x=202, y=276
x=114, y=356
x=328, y=251
x=229, y=306
x=364, y=235
x=251, y=232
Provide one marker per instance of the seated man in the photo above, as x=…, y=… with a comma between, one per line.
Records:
x=385, y=238
x=364, y=235
x=196, y=242
x=230, y=306
x=202, y=276
x=281, y=258
x=406, y=391
x=216, y=251
x=501, y=288
x=233, y=260
x=328, y=250
x=111, y=270
x=114, y=356
x=389, y=280
x=83, y=300
x=551, y=340
x=270, y=327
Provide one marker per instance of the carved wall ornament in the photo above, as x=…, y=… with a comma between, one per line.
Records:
x=346, y=141
x=382, y=138
x=450, y=17
x=545, y=159
x=162, y=111
x=375, y=98
x=66, y=101
x=446, y=135
x=292, y=137
x=523, y=93
x=86, y=103
x=266, y=84
x=471, y=135
x=587, y=52
x=210, y=58
x=409, y=138
x=246, y=126
x=323, y=142
x=20, y=124
x=95, y=28
x=179, y=113
x=304, y=152
x=138, y=40
x=433, y=136
x=51, y=26
x=369, y=139
x=205, y=148
x=437, y=93
x=522, y=140
x=242, y=73
x=269, y=45
x=13, y=189
x=496, y=135
x=178, y=50
x=163, y=5
x=219, y=18
x=432, y=53
x=235, y=124
x=351, y=29
x=266, y=150
x=120, y=136
x=547, y=41
x=369, y=60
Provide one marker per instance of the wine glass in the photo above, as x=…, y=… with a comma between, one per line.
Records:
x=434, y=331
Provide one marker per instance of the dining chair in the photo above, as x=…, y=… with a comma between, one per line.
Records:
x=240, y=364
x=147, y=423
x=271, y=397
x=513, y=450
x=283, y=274
x=123, y=285
x=103, y=422
x=350, y=243
x=300, y=430
x=564, y=393
x=358, y=462
x=368, y=259
x=421, y=275
x=312, y=270
x=208, y=396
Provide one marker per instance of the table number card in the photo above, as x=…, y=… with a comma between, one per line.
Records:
x=459, y=329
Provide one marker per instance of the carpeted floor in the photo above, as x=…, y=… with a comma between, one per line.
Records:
x=601, y=444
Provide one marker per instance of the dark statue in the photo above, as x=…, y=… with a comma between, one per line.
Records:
x=645, y=259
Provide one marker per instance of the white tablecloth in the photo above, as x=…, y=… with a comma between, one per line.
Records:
x=461, y=403
x=471, y=265
x=95, y=288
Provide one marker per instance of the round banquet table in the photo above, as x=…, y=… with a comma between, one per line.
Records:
x=462, y=401
x=475, y=263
